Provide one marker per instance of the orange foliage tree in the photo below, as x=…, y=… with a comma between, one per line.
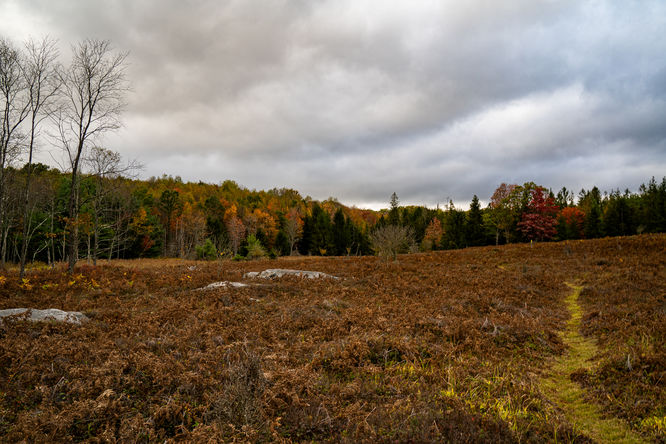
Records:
x=235, y=228
x=571, y=222
x=433, y=234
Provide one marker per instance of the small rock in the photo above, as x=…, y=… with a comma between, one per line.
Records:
x=224, y=284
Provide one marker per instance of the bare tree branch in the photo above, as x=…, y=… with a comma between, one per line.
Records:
x=93, y=92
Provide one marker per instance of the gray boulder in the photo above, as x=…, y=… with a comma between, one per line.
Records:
x=224, y=284
x=50, y=314
x=275, y=273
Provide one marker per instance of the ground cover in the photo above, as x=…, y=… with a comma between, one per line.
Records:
x=450, y=346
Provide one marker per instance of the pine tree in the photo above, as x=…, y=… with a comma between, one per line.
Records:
x=454, y=228
x=394, y=212
x=341, y=233
x=282, y=244
x=475, y=230
x=617, y=216
x=305, y=244
x=322, y=237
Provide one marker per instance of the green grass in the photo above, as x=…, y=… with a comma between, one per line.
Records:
x=569, y=396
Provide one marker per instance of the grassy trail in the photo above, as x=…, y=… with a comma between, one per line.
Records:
x=569, y=396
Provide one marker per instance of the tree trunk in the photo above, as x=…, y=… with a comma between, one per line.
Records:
x=5, y=233
x=88, y=257
x=113, y=239
x=26, y=218
x=73, y=238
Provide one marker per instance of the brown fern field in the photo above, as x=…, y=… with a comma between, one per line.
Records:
x=444, y=347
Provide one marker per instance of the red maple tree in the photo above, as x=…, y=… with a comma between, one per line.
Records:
x=538, y=222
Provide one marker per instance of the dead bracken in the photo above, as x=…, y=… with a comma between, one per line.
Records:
x=437, y=347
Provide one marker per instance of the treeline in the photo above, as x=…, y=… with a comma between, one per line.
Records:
x=529, y=212
x=78, y=103
x=119, y=217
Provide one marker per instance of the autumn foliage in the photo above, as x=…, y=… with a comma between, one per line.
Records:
x=433, y=234
x=572, y=222
x=538, y=222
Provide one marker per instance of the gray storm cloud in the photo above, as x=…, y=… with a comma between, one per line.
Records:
x=357, y=99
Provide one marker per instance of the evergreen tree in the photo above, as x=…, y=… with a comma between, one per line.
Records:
x=617, y=216
x=381, y=222
x=321, y=242
x=360, y=244
x=305, y=244
x=394, y=212
x=341, y=233
x=454, y=228
x=282, y=244
x=475, y=231
x=564, y=198
x=590, y=203
x=652, y=207
x=169, y=206
x=215, y=227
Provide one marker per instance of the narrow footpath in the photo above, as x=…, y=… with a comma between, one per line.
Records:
x=569, y=396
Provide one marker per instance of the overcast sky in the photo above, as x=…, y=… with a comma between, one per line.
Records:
x=357, y=99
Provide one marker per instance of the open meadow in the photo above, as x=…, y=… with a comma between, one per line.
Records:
x=550, y=342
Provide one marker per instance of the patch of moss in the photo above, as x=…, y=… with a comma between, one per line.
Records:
x=569, y=396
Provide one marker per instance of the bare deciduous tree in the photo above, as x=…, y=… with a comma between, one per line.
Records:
x=105, y=166
x=42, y=85
x=236, y=230
x=293, y=228
x=15, y=109
x=390, y=240
x=93, y=90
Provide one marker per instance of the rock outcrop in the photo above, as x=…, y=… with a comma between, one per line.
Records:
x=50, y=314
x=275, y=273
x=224, y=284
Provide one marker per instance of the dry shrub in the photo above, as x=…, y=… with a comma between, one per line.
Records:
x=240, y=402
x=390, y=240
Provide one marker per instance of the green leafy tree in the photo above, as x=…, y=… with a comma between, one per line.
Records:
x=207, y=251
x=502, y=214
x=254, y=248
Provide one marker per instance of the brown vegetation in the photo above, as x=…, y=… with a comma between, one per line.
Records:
x=444, y=346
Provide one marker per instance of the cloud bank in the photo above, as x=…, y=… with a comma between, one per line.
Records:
x=357, y=99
